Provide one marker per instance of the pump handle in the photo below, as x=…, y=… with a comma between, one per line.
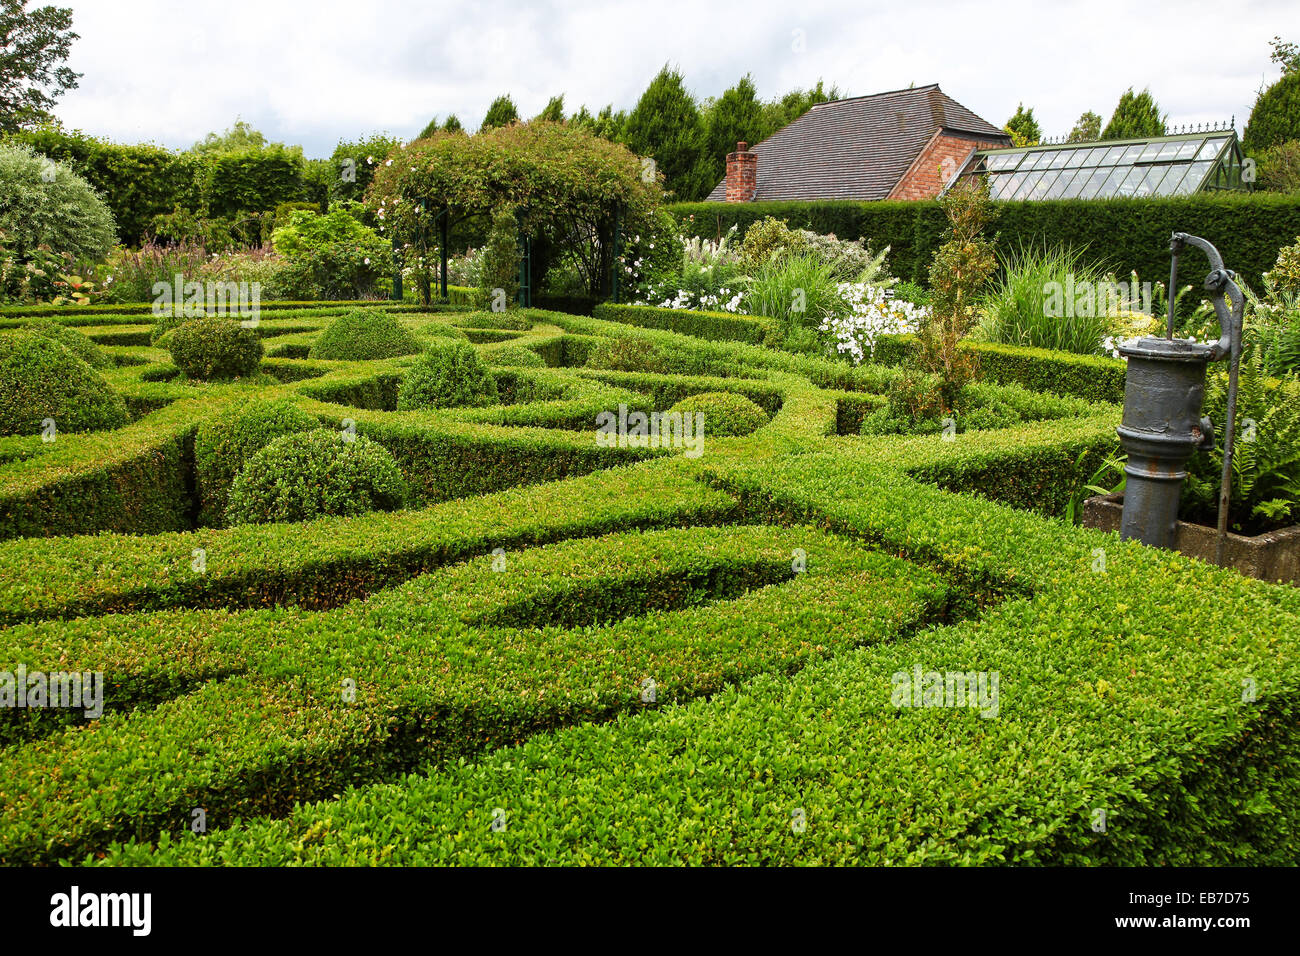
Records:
x=1219, y=282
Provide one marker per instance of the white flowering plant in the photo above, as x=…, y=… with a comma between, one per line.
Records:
x=707, y=277
x=872, y=311
x=650, y=258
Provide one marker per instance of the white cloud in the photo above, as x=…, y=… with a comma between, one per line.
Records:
x=315, y=71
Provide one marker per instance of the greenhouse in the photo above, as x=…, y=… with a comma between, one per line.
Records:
x=1158, y=166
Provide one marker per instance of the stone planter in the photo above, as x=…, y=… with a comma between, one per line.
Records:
x=1274, y=556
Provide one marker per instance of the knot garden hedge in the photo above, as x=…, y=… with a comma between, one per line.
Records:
x=567, y=650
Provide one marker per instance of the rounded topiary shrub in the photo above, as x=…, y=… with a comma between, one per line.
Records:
x=447, y=376
x=73, y=341
x=224, y=444
x=215, y=348
x=725, y=413
x=516, y=356
x=40, y=379
x=627, y=354
x=315, y=474
x=364, y=334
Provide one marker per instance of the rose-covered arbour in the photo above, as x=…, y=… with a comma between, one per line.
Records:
x=568, y=187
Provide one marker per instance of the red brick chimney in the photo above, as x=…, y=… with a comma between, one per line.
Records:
x=742, y=174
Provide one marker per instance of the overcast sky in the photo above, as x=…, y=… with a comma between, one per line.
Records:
x=314, y=71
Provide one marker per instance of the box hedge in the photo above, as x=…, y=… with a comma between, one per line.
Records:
x=667, y=697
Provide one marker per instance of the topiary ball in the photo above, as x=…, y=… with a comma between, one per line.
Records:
x=516, y=356
x=223, y=446
x=315, y=474
x=726, y=414
x=41, y=379
x=362, y=335
x=215, y=348
x=73, y=341
x=447, y=376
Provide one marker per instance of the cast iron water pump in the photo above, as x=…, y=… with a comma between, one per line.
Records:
x=1162, y=426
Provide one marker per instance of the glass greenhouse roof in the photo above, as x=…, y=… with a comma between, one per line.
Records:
x=1163, y=166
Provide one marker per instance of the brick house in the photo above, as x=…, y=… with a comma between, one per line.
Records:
x=906, y=144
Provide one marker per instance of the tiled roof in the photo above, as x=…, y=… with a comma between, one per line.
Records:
x=857, y=148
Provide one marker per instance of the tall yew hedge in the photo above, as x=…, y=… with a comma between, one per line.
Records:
x=140, y=181
x=1125, y=234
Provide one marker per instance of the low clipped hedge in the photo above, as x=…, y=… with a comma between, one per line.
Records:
x=447, y=376
x=136, y=480
x=215, y=348
x=517, y=356
x=459, y=459
x=717, y=326
x=771, y=646
x=1114, y=694
x=362, y=335
x=331, y=561
x=509, y=321
x=224, y=444
x=677, y=609
x=40, y=379
x=726, y=414
x=627, y=354
x=435, y=330
x=311, y=474
x=1095, y=378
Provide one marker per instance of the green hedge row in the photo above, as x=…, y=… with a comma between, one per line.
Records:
x=533, y=398
x=137, y=182
x=1125, y=234
x=140, y=313
x=717, y=326
x=1120, y=691
x=1121, y=688
x=443, y=459
x=689, y=355
x=331, y=561
x=137, y=479
x=1034, y=467
x=665, y=391
x=1095, y=378
x=688, y=611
